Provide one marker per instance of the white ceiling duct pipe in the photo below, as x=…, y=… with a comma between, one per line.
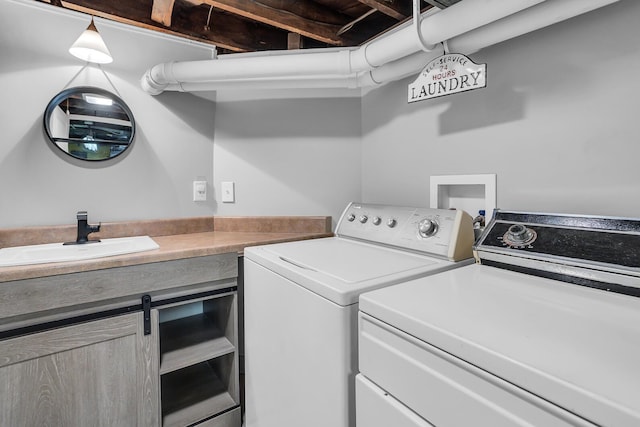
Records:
x=317, y=62
x=307, y=82
x=460, y=18
x=395, y=70
x=388, y=72
x=531, y=19
x=543, y=15
x=452, y=21
x=523, y=22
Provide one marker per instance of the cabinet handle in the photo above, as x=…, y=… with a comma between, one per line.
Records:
x=146, y=309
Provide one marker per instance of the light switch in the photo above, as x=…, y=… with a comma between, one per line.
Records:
x=228, y=193
x=199, y=191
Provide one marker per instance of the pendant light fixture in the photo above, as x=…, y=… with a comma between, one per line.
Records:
x=90, y=46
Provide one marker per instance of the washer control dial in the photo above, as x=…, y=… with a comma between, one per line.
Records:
x=427, y=228
x=518, y=235
x=363, y=218
x=392, y=222
x=351, y=217
x=376, y=220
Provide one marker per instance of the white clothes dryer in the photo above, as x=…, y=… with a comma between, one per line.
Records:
x=544, y=331
x=301, y=305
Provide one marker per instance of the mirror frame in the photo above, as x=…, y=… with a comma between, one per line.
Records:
x=66, y=93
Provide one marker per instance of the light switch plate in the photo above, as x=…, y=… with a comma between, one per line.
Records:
x=228, y=192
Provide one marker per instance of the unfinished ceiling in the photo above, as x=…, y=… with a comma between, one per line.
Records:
x=257, y=25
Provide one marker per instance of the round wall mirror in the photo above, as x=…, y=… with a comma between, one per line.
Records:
x=89, y=123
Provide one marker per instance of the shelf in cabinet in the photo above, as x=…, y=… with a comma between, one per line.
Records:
x=190, y=340
x=192, y=394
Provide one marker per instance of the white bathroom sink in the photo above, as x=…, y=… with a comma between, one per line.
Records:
x=58, y=252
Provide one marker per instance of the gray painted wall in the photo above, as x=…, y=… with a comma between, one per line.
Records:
x=173, y=145
x=288, y=156
x=558, y=123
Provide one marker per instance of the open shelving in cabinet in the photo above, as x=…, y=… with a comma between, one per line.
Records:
x=199, y=360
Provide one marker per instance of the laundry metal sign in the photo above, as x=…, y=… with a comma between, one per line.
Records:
x=448, y=74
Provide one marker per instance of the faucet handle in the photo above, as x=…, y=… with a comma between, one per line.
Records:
x=84, y=229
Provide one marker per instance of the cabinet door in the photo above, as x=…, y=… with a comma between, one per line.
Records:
x=99, y=373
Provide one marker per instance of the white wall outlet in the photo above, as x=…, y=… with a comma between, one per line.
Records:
x=228, y=192
x=199, y=191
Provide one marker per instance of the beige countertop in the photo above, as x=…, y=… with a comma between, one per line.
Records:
x=178, y=239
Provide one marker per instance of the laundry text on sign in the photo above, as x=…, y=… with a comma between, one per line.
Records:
x=446, y=75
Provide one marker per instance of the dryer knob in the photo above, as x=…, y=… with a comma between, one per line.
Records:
x=391, y=222
x=351, y=217
x=363, y=219
x=376, y=220
x=519, y=235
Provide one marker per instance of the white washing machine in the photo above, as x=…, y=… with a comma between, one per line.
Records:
x=544, y=331
x=301, y=305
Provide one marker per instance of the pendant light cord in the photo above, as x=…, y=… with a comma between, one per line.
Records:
x=109, y=80
x=103, y=72
x=75, y=76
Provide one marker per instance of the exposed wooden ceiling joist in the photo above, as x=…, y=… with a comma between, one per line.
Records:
x=161, y=11
x=230, y=32
x=253, y=25
x=397, y=10
x=303, y=17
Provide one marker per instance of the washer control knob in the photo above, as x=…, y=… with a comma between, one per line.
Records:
x=376, y=220
x=519, y=235
x=351, y=217
x=363, y=219
x=427, y=227
x=391, y=222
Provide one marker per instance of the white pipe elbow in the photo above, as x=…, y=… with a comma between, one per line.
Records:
x=366, y=79
x=358, y=61
x=150, y=86
x=156, y=79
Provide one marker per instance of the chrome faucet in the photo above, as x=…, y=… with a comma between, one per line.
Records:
x=84, y=229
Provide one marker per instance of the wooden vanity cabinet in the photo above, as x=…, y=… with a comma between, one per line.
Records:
x=97, y=373
x=94, y=354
